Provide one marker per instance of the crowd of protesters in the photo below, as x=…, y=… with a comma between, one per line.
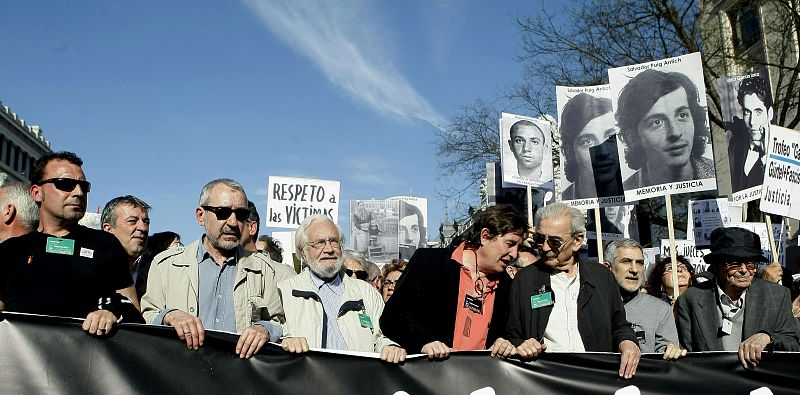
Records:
x=505, y=287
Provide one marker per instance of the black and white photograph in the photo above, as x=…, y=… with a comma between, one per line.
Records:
x=525, y=153
x=412, y=224
x=704, y=216
x=590, y=167
x=660, y=109
x=746, y=102
x=373, y=229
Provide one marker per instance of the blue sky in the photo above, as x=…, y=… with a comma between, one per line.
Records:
x=160, y=97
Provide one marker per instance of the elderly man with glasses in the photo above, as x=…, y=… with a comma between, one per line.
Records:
x=215, y=283
x=736, y=312
x=326, y=308
x=563, y=305
x=66, y=269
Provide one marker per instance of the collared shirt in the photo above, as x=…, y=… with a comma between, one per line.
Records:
x=215, y=295
x=728, y=306
x=472, y=328
x=330, y=294
x=561, y=334
x=135, y=269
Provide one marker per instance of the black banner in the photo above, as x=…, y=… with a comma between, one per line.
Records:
x=53, y=355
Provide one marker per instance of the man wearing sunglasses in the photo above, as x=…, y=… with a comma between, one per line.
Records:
x=354, y=265
x=65, y=269
x=214, y=283
x=326, y=308
x=736, y=312
x=563, y=305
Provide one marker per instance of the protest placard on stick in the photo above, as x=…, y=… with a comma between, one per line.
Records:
x=290, y=200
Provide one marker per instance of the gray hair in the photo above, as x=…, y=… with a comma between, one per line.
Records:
x=205, y=194
x=373, y=270
x=18, y=194
x=577, y=220
x=301, y=238
x=350, y=255
x=109, y=215
x=612, y=247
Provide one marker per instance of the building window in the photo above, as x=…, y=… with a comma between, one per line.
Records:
x=747, y=33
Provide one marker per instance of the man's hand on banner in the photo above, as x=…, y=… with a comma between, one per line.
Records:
x=99, y=322
x=674, y=352
x=295, y=345
x=393, y=354
x=252, y=339
x=503, y=348
x=629, y=358
x=189, y=328
x=530, y=348
x=436, y=350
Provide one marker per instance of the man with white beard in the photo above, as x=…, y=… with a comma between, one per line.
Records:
x=326, y=309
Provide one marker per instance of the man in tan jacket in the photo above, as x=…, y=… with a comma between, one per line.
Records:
x=215, y=283
x=325, y=308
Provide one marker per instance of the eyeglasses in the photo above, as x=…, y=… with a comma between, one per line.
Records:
x=223, y=213
x=751, y=266
x=360, y=274
x=387, y=283
x=320, y=244
x=67, y=184
x=681, y=269
x=554, y=242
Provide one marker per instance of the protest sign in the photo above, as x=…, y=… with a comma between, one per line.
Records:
x=525, y=152
x=412, y=224
x=779, y=233
x=780, y=193
x=746, y=104
x=663, y=130
x=290, y=200
x=688, y=250
x=590, y=166
x=373, y=229
x=704, y=216
x=286, y=239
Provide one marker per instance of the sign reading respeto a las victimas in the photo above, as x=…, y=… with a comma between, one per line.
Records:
x=780, y=193
x=290, y=200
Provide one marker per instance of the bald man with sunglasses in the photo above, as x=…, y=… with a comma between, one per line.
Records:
x=215, y=283
x=63, y=268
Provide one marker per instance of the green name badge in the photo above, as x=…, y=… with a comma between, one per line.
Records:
x=541, y=300
x=57, y=245
x=365, y=321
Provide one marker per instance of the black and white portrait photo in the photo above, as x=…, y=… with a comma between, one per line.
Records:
x=747, y=113
x=590, y=165
x=525, y=151
x=412, y=225
x=660, y=109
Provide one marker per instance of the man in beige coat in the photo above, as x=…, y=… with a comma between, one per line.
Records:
x=215, y=283
x=325, y=308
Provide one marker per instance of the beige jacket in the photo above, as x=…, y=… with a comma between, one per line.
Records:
x=304, y=313
x=173, y=283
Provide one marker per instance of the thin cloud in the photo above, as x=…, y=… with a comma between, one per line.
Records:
x=339, y=38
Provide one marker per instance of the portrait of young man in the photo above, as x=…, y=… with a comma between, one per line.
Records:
x=661, y=115
x=747, y=135
x=525, y=152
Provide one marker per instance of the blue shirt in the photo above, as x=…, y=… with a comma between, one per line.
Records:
x=330, y=294
x=215, y=304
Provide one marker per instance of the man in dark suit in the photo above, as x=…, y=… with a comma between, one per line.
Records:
x=736, y=312
x=455, y=298
x=561, y=304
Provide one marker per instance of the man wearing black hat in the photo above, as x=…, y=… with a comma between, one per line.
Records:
x=736, y=312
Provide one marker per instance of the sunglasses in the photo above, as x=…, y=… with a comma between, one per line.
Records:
x=223, y=213
x=360, y=274
x=751, y=266
x=554, y=242
x=67, y=184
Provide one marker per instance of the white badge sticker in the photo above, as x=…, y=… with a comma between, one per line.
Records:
x=727, y=326
x=87, y=253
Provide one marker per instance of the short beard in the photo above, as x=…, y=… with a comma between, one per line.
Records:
x=222, y=245
x=326, y=272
